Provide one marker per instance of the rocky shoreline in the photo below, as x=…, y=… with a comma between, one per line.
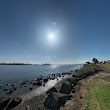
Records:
x=53, y=98
x=15, y=92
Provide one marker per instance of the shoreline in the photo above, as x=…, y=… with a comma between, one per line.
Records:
x=55, y=96
x=21, y=88
x=36, y=93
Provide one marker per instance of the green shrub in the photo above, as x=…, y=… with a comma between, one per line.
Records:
x=87, y=71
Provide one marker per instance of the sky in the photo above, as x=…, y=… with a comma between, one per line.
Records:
x=54, y=31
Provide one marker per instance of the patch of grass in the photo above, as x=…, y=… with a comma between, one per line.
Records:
x=105, y=67
x=106, y=78
x=98, y=95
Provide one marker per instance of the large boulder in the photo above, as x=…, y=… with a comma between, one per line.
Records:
x=51, y=102
x=14, y=103
x=55, y=100
x=72, y=80
x=53, y=89
x=66, y=88
x=4, y=102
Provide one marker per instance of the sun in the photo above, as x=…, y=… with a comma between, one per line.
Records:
x=51, y=37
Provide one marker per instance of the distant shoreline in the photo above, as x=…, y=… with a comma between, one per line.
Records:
x=24, y=64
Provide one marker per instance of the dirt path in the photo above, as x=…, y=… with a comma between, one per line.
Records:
x=79, y=100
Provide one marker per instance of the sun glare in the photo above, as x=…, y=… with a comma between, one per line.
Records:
x=51, y=37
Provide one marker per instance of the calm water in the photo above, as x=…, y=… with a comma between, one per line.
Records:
x=15, y=73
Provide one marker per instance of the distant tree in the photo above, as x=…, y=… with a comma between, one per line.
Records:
x=88, y=62
x=104, y=62
x=95, y=60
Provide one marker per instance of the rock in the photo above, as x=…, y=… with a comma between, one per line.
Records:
x=81, y=97
x=1, y=85
x=76, y=70
x=51, y=103
x=55, y=100
x=19, y=81
x=4, y=102
x=23, y=83
x=66, y=87
x=68, y=73
x=72, y=80
x=13, y=85
x=34, y=83
x=59, y=75
x=20, y=86
x=11, y=90
x=73, y=90
x=62, y=100
x=27, y=107
x=39, y=83
x=7, y=84
x=14, y=103
x=40, y=78
x=5, y=89
x=45, y=80
x=27, y=80
x=53, y=89
x=73, y=75
x=30, y=88
x=44, y=85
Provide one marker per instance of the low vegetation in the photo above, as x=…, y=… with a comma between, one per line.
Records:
x=98, y=94
x=105, y=67
x=98, y=90
x=88, y=70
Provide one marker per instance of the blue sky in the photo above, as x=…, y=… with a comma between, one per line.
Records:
x=81, y=30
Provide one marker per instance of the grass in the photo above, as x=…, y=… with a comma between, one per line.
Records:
x=98, y=97
x=105, y=67
x=93, y=92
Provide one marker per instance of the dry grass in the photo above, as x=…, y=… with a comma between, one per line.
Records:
x=105, y=67
x=92, y=93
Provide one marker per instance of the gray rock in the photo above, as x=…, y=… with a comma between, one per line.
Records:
x=31, y=88
x=11, y=90
x=14, y=103
x=23, y=83
x=4, y=102
x=55, y=100
x=51, y=102
x=66, y=87
x=27, y=107
x=1, y=85
x=72, y=80
x=39, y=83
x=7, y=84
x=34, y=83
x=45, y=80
x=53, y=89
